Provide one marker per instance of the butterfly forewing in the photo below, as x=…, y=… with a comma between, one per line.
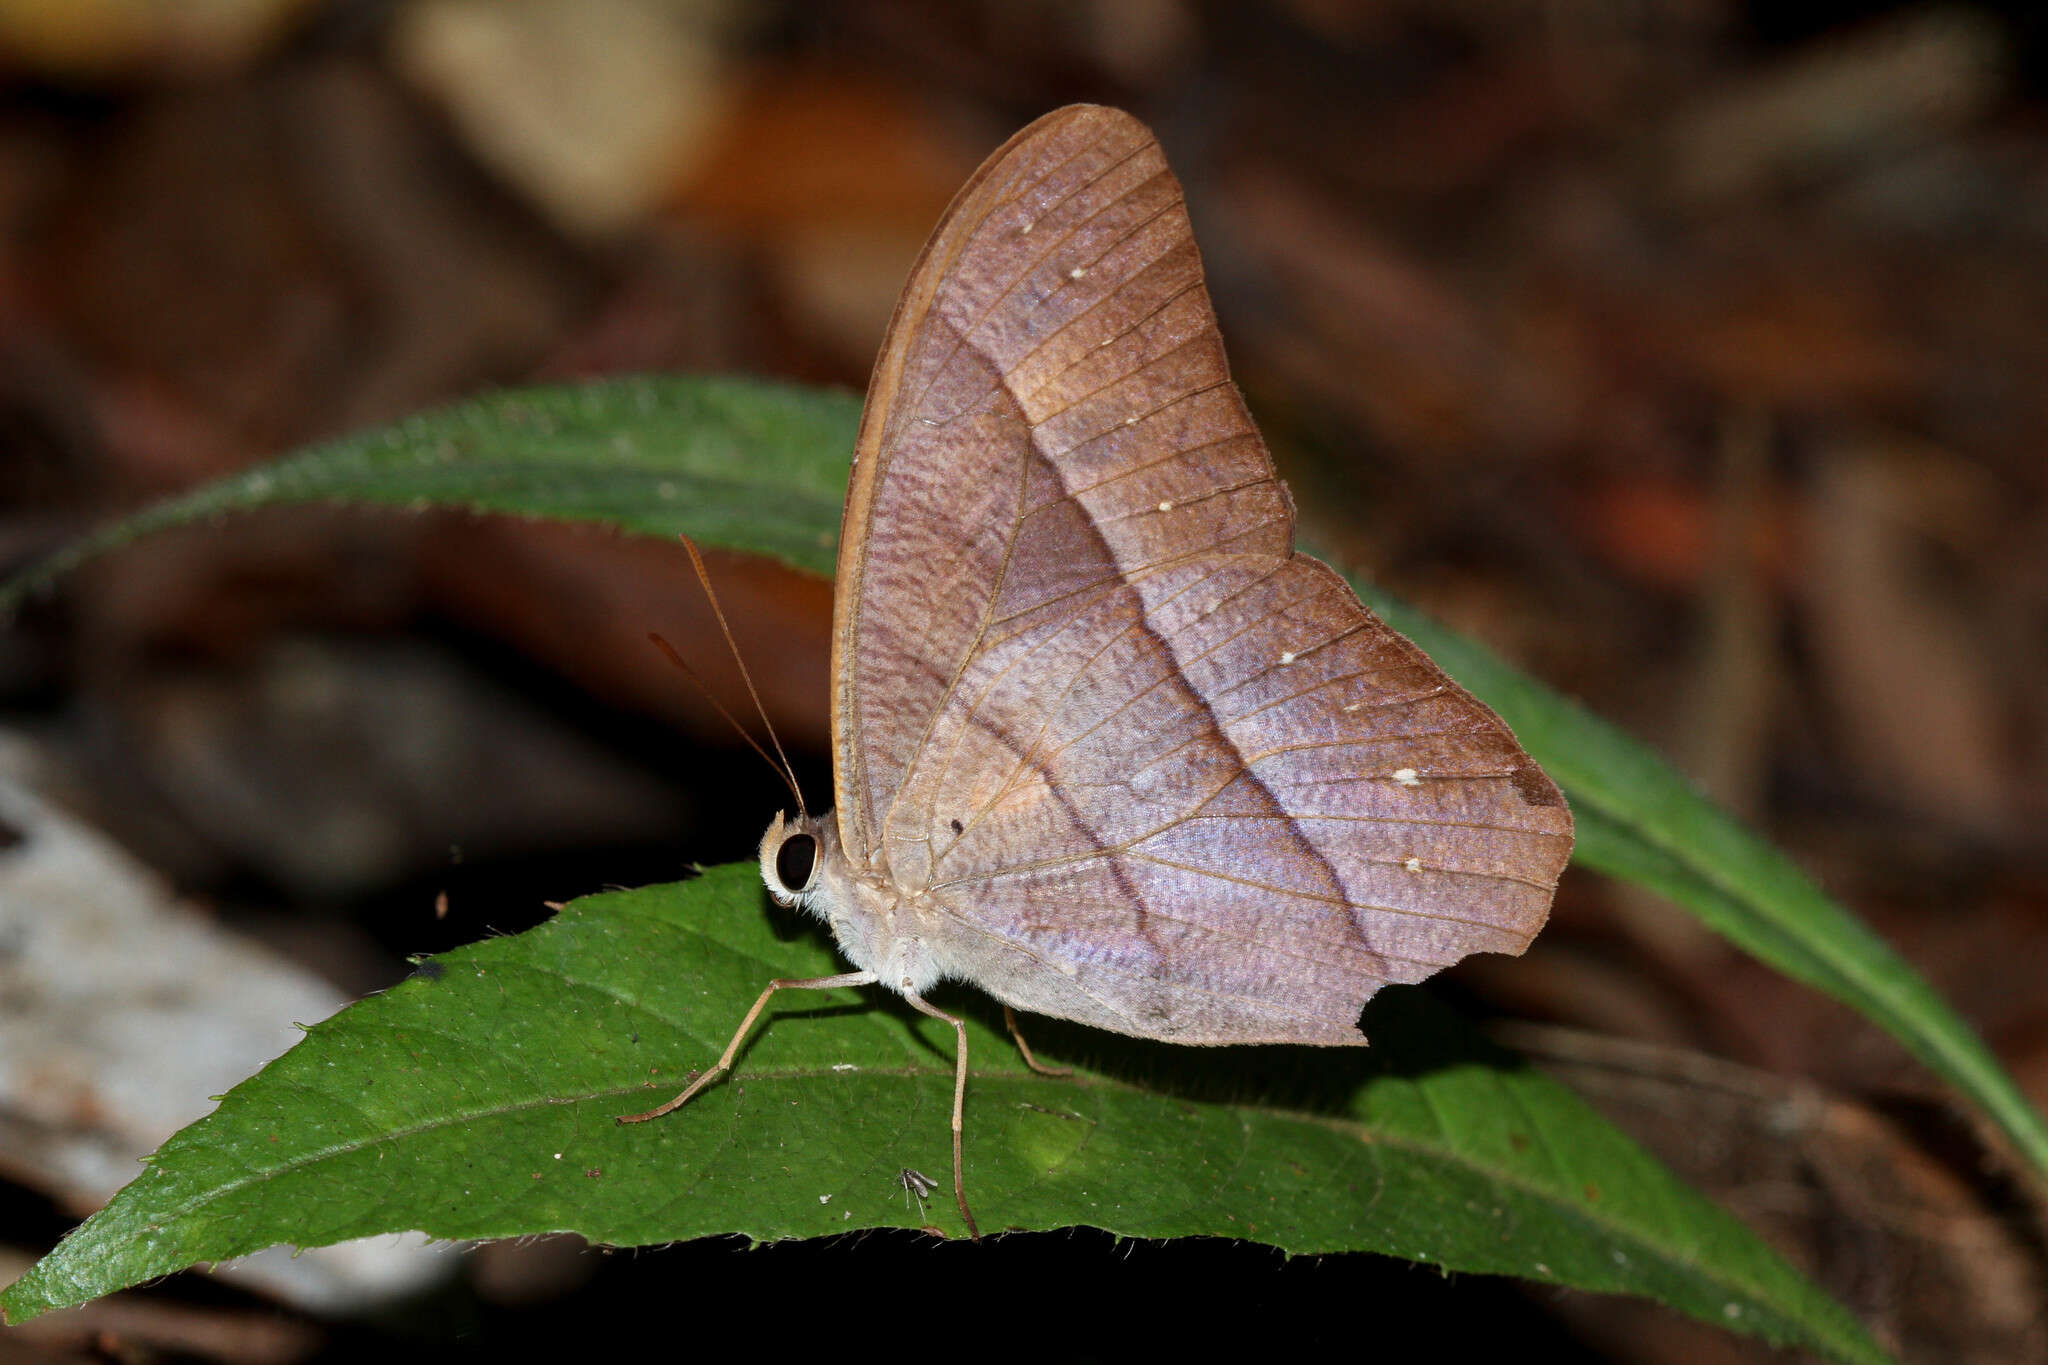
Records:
x=1147, y=768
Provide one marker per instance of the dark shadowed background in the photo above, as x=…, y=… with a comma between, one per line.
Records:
x=1692, y=354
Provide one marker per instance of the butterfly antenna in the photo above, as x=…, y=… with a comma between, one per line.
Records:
x=786, y=769
x=670, y=650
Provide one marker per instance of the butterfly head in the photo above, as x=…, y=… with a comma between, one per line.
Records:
x=791, y=854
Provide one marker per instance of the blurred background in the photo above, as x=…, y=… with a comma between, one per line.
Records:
x=1692, y=354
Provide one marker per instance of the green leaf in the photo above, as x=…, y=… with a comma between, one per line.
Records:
x=760, y=466
x=741, y=463
x=477, y=1100
x=1640, y=820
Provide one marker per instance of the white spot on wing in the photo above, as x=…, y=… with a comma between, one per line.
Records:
x=1407, y=777
x=1413, y=864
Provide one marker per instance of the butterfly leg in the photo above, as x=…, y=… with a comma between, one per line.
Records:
x=1010, y=1018
x=814, y=983
x=917, y=1002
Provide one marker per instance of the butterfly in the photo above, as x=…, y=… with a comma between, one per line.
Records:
x=1105, y=745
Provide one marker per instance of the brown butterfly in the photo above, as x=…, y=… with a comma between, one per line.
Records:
x=1105, y=745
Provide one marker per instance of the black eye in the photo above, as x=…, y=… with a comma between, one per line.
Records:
x=795, y=860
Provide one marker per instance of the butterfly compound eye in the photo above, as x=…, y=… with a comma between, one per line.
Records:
x=796, y=860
